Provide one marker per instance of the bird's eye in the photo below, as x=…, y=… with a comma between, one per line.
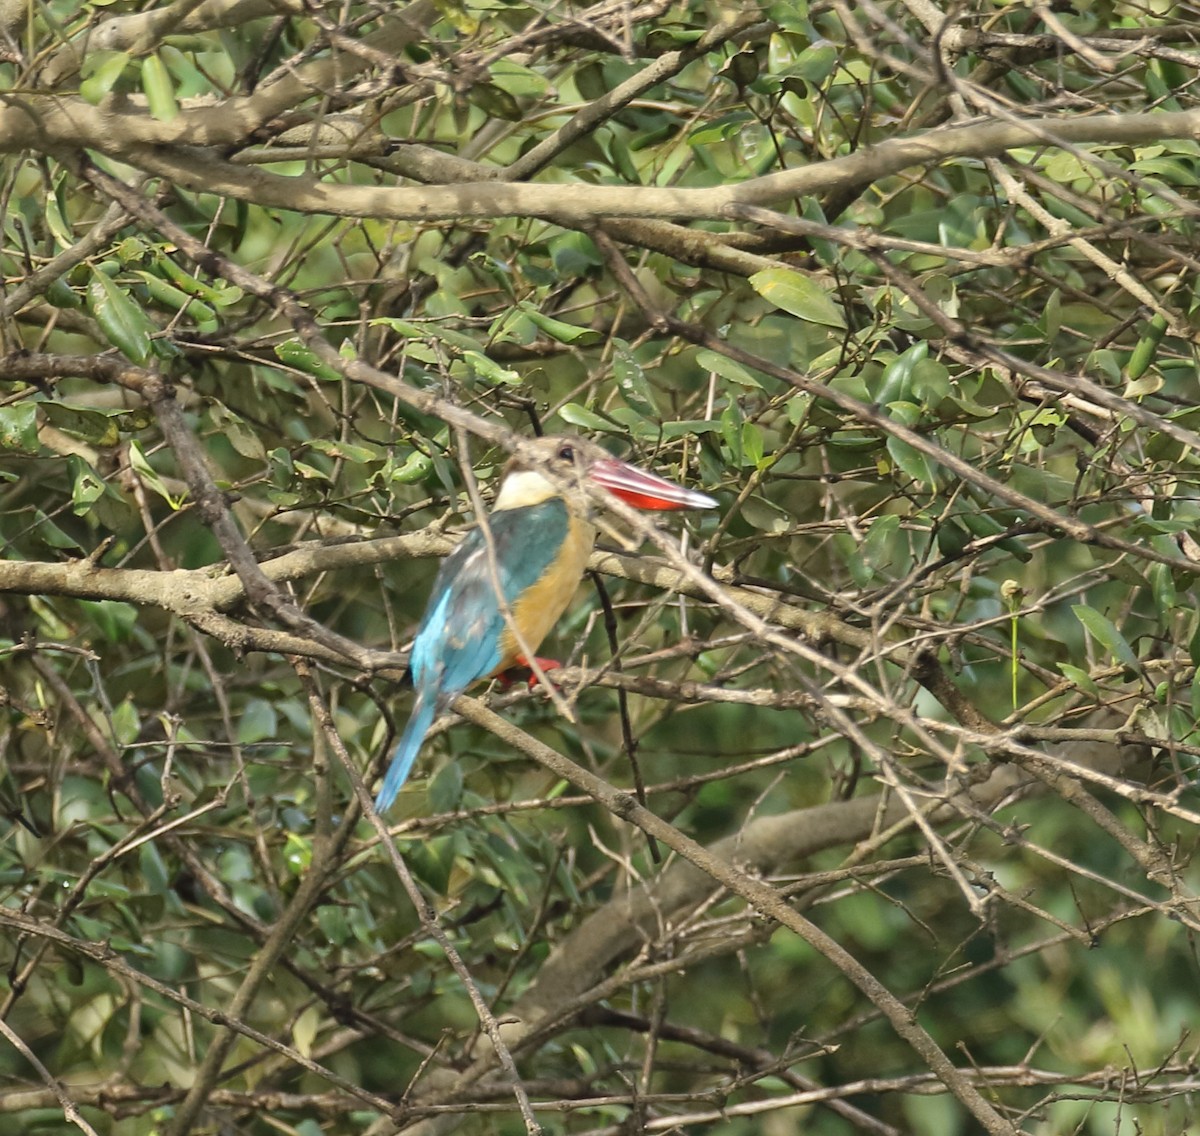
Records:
x=566, y=452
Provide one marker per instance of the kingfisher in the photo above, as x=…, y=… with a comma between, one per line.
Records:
x=502, y=589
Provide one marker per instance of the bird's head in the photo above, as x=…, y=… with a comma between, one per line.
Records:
x=545, y=468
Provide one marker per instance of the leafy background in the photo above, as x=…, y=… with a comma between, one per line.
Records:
x=911, y=291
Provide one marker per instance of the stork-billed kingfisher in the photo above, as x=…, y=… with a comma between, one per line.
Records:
x=518, y=569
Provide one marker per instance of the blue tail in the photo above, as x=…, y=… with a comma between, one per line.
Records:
x=424, y=711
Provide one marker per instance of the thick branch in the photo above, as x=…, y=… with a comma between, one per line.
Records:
x=56, y=123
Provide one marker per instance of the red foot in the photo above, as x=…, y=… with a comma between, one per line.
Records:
x=510, y=676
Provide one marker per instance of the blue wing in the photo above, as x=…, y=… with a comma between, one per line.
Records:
x=459, y=639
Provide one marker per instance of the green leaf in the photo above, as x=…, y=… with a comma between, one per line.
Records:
x=766, y=515
x=741, y=69
x=513, y=326
x=622, y=159
x=912, y=461
x=445, y=790
x=87, y=486
x=1194, y=647
x=798, y=294
x=62, y=295
x=896, y=383
x=631, y=380
x=124, y=324
x=574, y=254
x=153, y=868
x=56, y=216
x=520, y=81
x=495, y=101
x=50, y=534
x=427, y=330
x=293, y=353
x=240, y=436
x=1140, y=380
x=580, y=416
x=752, y=444
x=689, y=426
x=159, y=89
x=332, y=920
x=557, y=329
x=727, y=368
x=879, y=547
x=816, y=63
x=1079, y=677
x=310, y=472
x=221, y=296
x=731, y=432
x=131, y=250
x=18, y=427
x=1162, y=583
x=176, y=299
x=416, y=467
x=114, y=619
x=1013, y=546
x=1105, y=632
x=101, y=70
x=150, y=476
x=432, y=860
x=789, y=14
x=125, y=723
x=91, y=426
x=1170, y=170
x=489, y=370
x=641, y=427
x=720, y=129
x=1149, y=382
x=952, y=538
x=347, y=450
x=257, y=722
x=297, y=856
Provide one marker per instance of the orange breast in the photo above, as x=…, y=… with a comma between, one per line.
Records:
x=538, y=608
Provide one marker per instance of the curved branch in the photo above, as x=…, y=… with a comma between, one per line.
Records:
x=55, y=123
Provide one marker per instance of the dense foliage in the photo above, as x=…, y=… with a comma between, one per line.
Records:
x=912, y=717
